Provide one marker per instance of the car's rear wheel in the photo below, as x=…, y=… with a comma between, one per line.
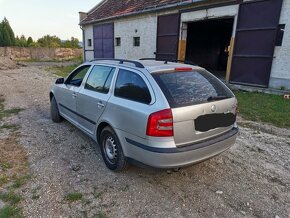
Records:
x=112, y=151
x=54, y=112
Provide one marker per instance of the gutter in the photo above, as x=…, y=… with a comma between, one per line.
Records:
x=84, y=44
x=142, y=12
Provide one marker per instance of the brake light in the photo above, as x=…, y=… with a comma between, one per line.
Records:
x=160, y=124
x=183, y=69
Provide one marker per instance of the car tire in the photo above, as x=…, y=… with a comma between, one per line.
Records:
x=54, y=112
x=111, y=150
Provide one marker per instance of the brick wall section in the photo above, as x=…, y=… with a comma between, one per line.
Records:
x=280, y=75
x=144, y=27
x=45, y=54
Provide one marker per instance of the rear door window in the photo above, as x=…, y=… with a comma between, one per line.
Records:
x=131, y=86
x=100, y=79
x=189, y=88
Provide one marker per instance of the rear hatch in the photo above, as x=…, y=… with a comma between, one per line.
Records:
x=202, y=106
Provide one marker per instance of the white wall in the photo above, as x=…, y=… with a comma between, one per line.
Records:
x=144, y=27
x=280, y=75
x=226, y=11
x=89, y=34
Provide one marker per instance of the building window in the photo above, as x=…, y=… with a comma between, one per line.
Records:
x=118, y=41
x=136, y=41
x=280, y=34
x=89, y=42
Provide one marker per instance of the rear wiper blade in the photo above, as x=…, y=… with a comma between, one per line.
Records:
x=214, y=98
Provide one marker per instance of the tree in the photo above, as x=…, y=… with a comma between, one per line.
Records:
x=7, y=37
x=72, y=43
x=21, y=42
x=1, y=34
x=6, y=41
x=49, y=41
x=29, y=41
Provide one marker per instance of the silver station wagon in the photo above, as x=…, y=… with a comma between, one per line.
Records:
x=158, y=113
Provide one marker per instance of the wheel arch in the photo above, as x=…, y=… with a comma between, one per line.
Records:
x=51, y=95
x=100, y=127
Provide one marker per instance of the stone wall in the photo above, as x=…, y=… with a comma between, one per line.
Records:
x=45, y=54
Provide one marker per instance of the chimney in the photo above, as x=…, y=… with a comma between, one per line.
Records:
x=82, y=15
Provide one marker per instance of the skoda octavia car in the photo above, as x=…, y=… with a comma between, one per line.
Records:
x=162, y=114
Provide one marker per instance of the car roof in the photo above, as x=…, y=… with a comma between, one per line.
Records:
x=154, y=66
x=150, y=65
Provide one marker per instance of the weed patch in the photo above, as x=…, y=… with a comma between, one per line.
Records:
x=97, y=194
x=18, y=182
x=10, y=197
x=5, y=165
x=74, y=196
x=11, y=127
x=101, y=215
x=3, y=179
x=9, y=112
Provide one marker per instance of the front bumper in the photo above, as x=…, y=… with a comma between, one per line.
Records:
x=178, y=157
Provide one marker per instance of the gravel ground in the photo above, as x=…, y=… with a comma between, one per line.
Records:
x=252, y=179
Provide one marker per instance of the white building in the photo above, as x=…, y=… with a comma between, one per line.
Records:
x=244, y=42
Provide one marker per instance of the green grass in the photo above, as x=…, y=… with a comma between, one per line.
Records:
x=74, y=196
x=266, y=108
x=11, y=127
x=7, y=113
x=18, y=182
x=9, y=211
x=97, y=194
x=63, y=71
x=101, y=215
x=3, y=180
x=5, y=165
x=10, y=197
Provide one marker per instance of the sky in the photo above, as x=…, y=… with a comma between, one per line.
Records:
x=37, y=18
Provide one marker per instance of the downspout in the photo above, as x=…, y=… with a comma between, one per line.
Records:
x=84, y=44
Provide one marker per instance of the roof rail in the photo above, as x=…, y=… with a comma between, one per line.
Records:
x=166, y=61
x=121, y=61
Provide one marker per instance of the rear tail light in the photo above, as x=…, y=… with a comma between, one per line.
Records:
x=160, y=124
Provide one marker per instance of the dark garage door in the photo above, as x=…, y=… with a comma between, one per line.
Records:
x=167, y=37
x=255, y=42
x=104, y=41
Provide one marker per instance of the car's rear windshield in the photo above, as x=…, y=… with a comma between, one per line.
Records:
x=190, y=88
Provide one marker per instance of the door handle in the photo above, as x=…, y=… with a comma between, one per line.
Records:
x=100, y=104
x=74, y=95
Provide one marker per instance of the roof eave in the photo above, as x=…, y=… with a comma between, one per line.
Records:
x=139, y=12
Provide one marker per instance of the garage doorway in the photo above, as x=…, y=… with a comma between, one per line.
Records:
x=208, y=42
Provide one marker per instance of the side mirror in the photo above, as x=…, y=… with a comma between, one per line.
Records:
x=59, y=81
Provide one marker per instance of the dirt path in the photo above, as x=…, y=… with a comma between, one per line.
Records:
x=251, y=179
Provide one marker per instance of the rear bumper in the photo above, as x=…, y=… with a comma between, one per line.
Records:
x=182, y=156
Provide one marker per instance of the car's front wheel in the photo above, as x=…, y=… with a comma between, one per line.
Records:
x=112, y=151
x=54, y=112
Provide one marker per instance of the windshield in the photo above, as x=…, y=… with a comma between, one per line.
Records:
x=189, y=88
